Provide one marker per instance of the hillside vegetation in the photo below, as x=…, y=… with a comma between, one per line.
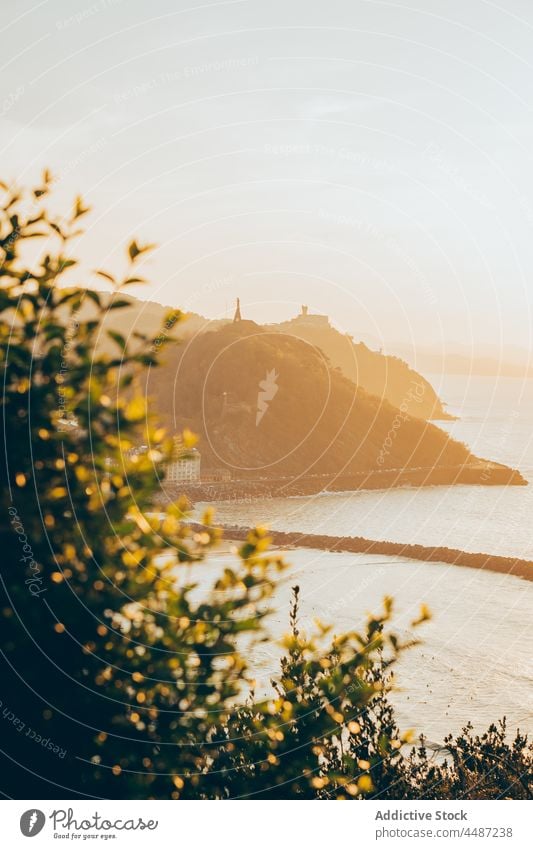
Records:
x=388, y=377
x=267, y=402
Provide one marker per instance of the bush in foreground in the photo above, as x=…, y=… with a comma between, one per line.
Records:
x=125, y=670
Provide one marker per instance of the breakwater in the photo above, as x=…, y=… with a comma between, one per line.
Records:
x=359, y=545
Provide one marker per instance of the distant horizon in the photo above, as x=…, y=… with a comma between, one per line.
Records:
x=515, y=363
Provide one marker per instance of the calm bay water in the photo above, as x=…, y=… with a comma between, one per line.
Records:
x=496, y=422
x=475, y=661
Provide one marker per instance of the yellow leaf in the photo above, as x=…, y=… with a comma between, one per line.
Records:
x=58, y=492
x=189, y=438
x=365, y=784
x=136, y=409
x=128, y=559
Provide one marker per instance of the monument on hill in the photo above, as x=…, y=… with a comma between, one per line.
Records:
x=305, y=317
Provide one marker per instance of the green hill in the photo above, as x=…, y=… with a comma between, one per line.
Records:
x=387, y=377
x=268, y=403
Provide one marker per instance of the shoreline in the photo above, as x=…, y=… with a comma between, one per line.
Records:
x=360, y=545
x=481, y=473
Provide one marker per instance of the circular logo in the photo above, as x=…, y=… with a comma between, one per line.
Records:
x=32, y=822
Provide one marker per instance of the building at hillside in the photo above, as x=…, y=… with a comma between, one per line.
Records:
x=185, y=466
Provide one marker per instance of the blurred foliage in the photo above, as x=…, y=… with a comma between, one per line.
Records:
x=471, y=766
x=125, y=666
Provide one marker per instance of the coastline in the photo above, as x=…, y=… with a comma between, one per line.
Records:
x=480, y=473
x=360, y=545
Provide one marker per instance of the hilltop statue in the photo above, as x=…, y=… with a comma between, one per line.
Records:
x=238, y=316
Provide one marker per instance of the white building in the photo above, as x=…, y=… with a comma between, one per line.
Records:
x=184, y=468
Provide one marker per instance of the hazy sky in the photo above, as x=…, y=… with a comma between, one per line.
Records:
x=370, y=159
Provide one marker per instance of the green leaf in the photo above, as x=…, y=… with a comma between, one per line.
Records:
x=67, y=263
x=79, y=208
x=119, y=304
x=94, y=296
x=106, y=276
x=134, y=250
x=118, y=338
x=130, y=280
